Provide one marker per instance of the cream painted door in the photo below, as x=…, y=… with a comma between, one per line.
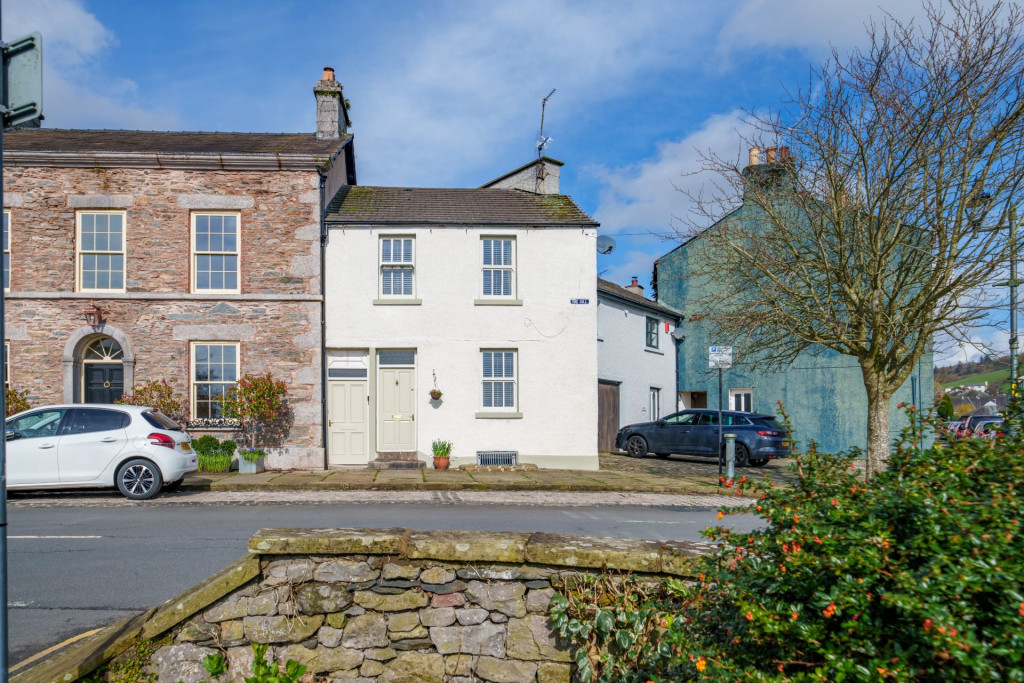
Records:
x=397, y=409
x=347, y=422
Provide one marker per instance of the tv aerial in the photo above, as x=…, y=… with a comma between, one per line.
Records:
x=605, y=244
x=542, y=141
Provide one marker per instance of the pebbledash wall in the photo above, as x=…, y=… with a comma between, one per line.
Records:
x=376, y=606
x=274, y=318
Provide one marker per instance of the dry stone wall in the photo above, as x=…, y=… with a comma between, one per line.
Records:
x=393, y=605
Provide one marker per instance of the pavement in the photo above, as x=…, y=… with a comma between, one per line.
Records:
x=678, y=475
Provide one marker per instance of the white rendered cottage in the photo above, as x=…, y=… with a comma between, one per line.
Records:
x=487, y=295
x=637, y=343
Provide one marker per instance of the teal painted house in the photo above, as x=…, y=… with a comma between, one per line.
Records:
x=823, y=393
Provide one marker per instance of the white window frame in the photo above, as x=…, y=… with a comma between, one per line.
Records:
x=7, y=365
x=400, y=265
x=510, y=267
x=80, y=253
x=503, y=379
x=735, y=394
x=654, y=401
x=196, y=253
x=7, y=251
x=193, y=382
x=647, y=332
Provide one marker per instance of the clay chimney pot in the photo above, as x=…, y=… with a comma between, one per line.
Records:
x=328, y=74
x=755, y=156
x=770, y=153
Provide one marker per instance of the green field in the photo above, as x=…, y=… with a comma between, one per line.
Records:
x=1001, y=376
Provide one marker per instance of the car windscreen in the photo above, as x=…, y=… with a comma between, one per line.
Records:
x=160, y=421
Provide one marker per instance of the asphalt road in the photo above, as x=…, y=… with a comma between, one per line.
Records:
x=74, y=567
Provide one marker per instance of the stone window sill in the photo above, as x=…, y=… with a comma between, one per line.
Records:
x=660, y=353
x=498, y=302
x=397, y=302
x=499, y=416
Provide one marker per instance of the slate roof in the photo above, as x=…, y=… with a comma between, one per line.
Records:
x=143, y=141
x=606, y=287
x=476, y=206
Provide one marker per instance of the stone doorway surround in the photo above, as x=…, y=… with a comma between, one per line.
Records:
x=71, y=360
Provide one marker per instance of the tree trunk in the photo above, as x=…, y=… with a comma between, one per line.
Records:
x=879, y=396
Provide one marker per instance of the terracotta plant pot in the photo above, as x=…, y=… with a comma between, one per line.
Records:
x=441, y=462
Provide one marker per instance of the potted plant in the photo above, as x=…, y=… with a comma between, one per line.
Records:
x=442, y=454
x=435, y=394
x=251, y=460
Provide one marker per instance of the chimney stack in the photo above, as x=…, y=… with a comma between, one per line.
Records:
x=755, y=156
x=331, y=118
x=636, y=287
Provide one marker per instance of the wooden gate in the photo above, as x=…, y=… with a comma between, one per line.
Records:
x=607, y=415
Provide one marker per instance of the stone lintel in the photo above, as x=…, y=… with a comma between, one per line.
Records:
x=100, y=201
x=328, y=541
x=194, y=599
x=215, y=201
x=468, y=546
x=213, y=332
x=13, y=200
x=624, y=554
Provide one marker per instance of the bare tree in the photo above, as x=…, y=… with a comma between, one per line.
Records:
x=886, y=226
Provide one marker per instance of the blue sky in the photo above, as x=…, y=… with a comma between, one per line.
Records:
x=447, y=93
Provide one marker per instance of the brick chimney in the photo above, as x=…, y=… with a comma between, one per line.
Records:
x=331, y=116
x=636, y=287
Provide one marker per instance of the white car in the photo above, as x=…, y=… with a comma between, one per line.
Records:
x=84, y=445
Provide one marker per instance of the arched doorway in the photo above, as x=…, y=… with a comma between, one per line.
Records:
x=102, y=371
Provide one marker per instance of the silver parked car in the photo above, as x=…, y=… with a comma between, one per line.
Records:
x=139, y=450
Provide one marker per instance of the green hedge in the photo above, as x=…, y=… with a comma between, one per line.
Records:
x=916, y=575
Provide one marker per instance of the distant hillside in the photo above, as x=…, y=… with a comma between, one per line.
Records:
x=988, y=369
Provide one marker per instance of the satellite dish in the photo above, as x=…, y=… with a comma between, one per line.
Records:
x=605, y=244
x=678, y=334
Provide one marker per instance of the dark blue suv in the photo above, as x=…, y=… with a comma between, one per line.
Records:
x=759, y=438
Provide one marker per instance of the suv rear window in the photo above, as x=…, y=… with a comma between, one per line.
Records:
x=773, y=423
x=161, y=421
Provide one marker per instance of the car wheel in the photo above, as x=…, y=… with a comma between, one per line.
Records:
x=636, y=447
x=759, y=462
x=139, y=479
x=175, y=485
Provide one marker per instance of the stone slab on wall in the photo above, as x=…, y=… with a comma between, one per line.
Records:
x=384, y=605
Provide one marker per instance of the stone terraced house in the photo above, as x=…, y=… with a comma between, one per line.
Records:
x=201, y=252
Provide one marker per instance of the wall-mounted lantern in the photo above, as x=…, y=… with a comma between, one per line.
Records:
x=94, y=316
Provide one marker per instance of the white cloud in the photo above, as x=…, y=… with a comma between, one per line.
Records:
x=75, y=91
x=469, y=81
x=810, y=25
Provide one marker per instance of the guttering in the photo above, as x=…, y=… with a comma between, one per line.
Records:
x=225, y=162
x=650, y=305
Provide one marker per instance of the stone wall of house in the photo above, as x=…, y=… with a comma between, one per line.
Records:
x=393, y=605
x=275, y=318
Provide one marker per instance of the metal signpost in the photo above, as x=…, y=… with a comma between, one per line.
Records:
x=720, y=357
x=21, y=87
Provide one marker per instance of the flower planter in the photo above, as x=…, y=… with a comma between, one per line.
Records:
x=441, y=463
x=247, y=467
x=435, y=395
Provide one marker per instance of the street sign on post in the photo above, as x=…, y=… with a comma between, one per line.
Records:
x=22, y=81
x=720, y=357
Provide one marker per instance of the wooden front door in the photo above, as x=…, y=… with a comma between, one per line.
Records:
x=396, y=389
x=607, y=415
x=347, y=422
x=104, y=382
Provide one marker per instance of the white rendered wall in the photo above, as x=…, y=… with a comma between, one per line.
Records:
x=555, y=340
x=623, y=356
